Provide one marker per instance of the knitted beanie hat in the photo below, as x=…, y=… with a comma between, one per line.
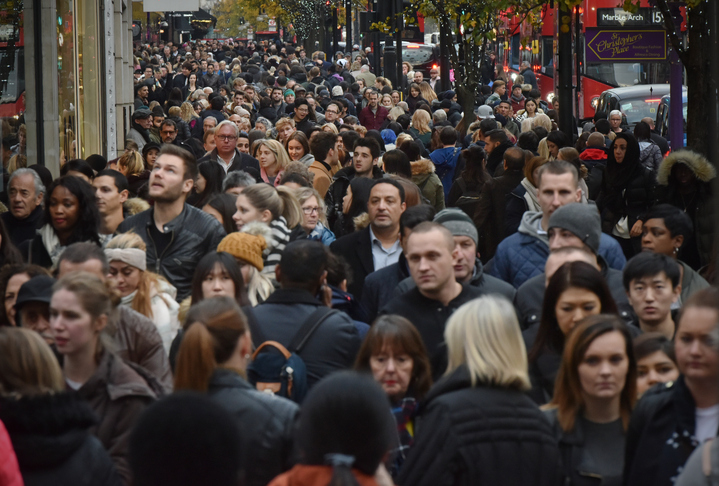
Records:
x=458, y=223
x=582, y=220
x=245, y=247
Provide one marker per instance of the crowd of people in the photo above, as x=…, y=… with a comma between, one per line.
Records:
x=298, y=274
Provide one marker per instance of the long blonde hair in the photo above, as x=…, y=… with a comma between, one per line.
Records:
x=427, y=92
x=484, y=336
x=27, y=365
x=420, y=121
x=149, y=281
x=187, y=112
x=277, y=149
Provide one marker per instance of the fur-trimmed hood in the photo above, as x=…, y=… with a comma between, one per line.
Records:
x=422, y=166
x=258, y=228
x=703, y=170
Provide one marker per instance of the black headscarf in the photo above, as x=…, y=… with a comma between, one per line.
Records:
x=619, y=174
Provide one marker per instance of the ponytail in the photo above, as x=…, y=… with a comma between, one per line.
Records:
x=291, y=208
x=341, y=470
x=195, y=359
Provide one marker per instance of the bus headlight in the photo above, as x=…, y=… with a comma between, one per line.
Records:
x=514, y=77
x=550, y=98
x=595, y=102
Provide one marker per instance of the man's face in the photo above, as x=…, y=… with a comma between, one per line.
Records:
x=226, y=140
x=418, y=77
x=157, y=121
x=556, y=190
x=23, y=199
x=148, y=73
x=489, y=145
x=186, y=72
x=372, y=100
x=433, y=74
x=36, y=317
x=210, y=68
x=615, y=121
x=168, y=134
x=208, y=124
x=331, y=113
x=363, y=161
x=652, y=297
x=504, y=109
x=501, y=90
x=167, y=179
x=209, y=144
x=143, y=92
x=277, y=95
x=204, y=65
x=243, y=145
x=109, y=200
x=466, y=250
x=286, y=131
x=384, y=206
x=431, y=261
x=145, y=123
x=517, y=91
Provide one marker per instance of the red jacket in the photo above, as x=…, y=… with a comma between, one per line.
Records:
x=593, y=154
x=9, y=470
x=373, y=121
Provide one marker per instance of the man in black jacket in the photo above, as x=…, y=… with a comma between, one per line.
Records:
x=177, y=235
x=376, y=246
x=302, y=275
x=226, y=153
x=431, y=254
x=26, y=214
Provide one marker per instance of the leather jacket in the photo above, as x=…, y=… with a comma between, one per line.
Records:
x=194, y=234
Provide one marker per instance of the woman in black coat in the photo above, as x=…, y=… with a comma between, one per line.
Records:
x=478, y=426
x=672, y=419
x=627, y=191
x=49, y=428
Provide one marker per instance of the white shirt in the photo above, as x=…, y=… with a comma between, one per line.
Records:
x=707, y=420
x=224, y=164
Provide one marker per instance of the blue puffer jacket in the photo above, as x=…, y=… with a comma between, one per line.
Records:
x=522, y=256
x=445, y=164
x=322, y=234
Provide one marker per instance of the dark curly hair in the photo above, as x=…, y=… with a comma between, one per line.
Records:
x=86, y=228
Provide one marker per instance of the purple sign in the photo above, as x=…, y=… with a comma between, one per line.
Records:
x=617, y=45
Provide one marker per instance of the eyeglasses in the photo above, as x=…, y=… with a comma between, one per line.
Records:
x=331, y=111
x=226, y=138
x=165, y=132
x=302, y=110
x=311, y=210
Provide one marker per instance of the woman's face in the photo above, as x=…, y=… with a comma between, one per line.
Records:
x=530, y=108
x=347, y=201
x=392, y=370
x=310, y=213
x=126, y=277
x=553, y=149
x=295, y=149
x=218, y=283
x=657, y=238
x=395, y=97
x=387, y=101
x=574, y=305
x=13, y=287
x=260, y=126
x=695, y=346
x=247, y=213
x=266, y=157
x=64, y=209
x=414, y=92
x=653, y=369
x=198, y=109
x=200, y=184
x=361, y=83
x=405, y=69
x=193, y=78
x=73, y=328
x=603, y=370
x=620, y=150
x=301, y=112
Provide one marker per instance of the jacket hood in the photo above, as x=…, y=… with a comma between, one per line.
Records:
x=422, y=167
x=593, y=154
x=445, y=154
x=701, y=167
x=528, y=226
x=258, y=228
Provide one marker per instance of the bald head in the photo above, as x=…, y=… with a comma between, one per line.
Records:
x=649, y=122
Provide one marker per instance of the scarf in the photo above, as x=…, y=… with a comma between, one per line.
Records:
x=530, y=196
x=51, y=243
x=518, y=100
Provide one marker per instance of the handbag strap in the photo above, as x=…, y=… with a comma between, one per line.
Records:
x=310, y=325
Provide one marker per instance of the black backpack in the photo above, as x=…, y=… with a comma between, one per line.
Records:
x=469, y=199
x=278, y=370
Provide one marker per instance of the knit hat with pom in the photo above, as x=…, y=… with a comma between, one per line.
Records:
x=244, y=246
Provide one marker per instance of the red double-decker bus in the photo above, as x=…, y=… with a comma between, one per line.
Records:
x=12, y=62
x=520, y=41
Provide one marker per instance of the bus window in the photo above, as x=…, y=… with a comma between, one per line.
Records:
x=547, y=54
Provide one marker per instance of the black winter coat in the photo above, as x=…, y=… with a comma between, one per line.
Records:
x=480, y=435
x=52, y=441
x=194, y=234
x=660, y=437
x=631, y=199
x=266, y=421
